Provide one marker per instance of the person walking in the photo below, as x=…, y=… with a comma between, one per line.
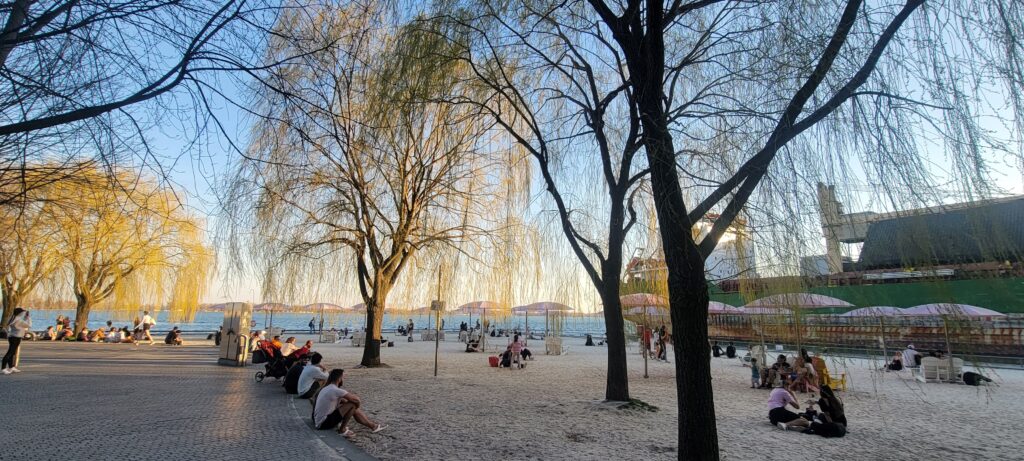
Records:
x=19, y=325
x=147, y=323
x=312, y=325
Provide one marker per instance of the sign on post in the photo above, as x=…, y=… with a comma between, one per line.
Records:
x=437, y=307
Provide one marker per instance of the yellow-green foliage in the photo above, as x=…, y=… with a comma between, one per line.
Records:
x=115, y=240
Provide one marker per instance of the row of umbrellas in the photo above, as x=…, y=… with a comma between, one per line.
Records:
x=653, y=305
x=650, y=304
x=473, y=308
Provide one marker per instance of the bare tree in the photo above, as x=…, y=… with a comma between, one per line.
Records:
x=68, y=61
x=77, y=77
x=557, y=86
x=722, y=88
x=784, y=71
x=354, y=159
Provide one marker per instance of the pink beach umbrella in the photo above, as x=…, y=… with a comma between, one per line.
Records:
x=480, y=308
x=764, y=310
x=647, y=310
x=878, y=312
x=268, y=309
x=715, y=307
x=798, y=301
x=875, y=311
x=956, y=310
x=325, y=307
x=642, y=299
x=540, y=308
x=950, y=310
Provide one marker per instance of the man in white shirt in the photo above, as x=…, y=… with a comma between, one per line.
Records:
x=312, y=378
x=147, y=323
x=909, y=357
x=335, y=407
x=288, y=347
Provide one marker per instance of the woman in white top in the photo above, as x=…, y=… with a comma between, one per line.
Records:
x=19, y=325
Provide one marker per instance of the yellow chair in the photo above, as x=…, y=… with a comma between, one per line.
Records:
x=825, y=378
x=835, y=384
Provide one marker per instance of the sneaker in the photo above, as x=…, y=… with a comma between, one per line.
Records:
x=783, y=426
x=14, y=370
x=6, y=371
x=380, y=427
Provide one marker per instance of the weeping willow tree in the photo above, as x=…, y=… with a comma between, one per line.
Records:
x=29, y=252
x=356, y=161
x=125, y=246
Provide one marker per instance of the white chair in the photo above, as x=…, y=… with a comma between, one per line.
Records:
x=930, y=370
x=949, y=370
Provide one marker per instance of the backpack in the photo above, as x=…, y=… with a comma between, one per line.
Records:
x=974, y=379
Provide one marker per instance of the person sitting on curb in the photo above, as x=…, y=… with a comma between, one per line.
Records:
x=312, y=378
x=335, y=407
x=291, y=379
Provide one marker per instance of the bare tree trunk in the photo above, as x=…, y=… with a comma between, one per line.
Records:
x=82, y=312
x=687, y=289
x=617, y=380
x=11, y=301
x=617, y=383
x=15, y=19
x=374, y=324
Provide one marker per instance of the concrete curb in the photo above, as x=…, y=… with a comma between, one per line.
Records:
x=331, y=439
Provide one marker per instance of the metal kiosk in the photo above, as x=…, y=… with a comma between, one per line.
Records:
x=234, y=345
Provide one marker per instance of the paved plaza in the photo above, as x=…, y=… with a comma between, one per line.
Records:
x=106, y=401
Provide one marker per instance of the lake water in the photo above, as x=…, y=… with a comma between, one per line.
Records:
x=299, y=322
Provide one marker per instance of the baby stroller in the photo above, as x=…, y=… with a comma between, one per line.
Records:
x=273, y=362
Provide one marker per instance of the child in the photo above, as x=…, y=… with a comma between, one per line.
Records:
x=755, y=374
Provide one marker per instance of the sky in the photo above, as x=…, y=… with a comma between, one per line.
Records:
x=200, y=171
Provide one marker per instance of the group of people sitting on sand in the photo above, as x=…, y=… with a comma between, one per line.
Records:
x=829, y=420
x=334, y=407
x=800, y=375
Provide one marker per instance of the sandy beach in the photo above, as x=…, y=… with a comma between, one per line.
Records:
x=552, y=409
